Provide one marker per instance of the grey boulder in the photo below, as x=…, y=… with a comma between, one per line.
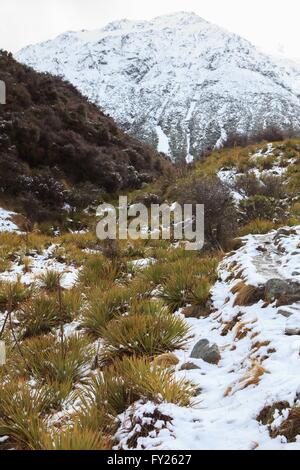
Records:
x=207, y=352
x=287, y=292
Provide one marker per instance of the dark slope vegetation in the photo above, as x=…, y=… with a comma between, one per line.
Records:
x=57, y=148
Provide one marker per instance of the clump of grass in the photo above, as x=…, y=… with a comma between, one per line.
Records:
x=189, y=281
x=50, y=280
x=156, y=274
x=290, y=427
x=71, y=303
x=5, y=262
x=141, y=288
x=76, y=438
x=98, y=268
x=152, y=382
x=200, y=293
x=132, y=379
x=42, y=313
x=21, y=414
x=175, y=291
x=257, y=226
x=36, y=241
x=149, y=307
x=147, y=335
x=82, y=241
x=247, y=295
x=103, y=306
x=27, y=265
x=13, y=293
x=58, y=365
x=39, y=316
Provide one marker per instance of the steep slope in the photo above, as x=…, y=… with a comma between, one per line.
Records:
x=177, y=82
x=56, y=148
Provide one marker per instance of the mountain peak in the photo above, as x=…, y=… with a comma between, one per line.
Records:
x=186, y=16
x=177, y=82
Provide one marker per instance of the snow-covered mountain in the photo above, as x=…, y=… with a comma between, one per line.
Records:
x=176, y=82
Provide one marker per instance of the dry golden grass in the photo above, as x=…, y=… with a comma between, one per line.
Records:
x=252, y=376
x=241, y=331
x=246, y=294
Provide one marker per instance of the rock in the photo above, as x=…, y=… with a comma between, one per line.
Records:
x=166, y=360
x=208, y=353
x=261, y=249
x=292, y=331
x=275, y=288
x=189, y=366
x=292, y=327
x=196, y=312
x=285, y=292
x=285, y=313
x=285, y=232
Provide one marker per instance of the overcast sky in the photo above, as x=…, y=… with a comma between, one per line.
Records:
x=271, y=24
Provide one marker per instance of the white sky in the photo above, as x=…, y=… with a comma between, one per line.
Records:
x=271, y=24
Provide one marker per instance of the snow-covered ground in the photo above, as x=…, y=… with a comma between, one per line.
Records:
x=6, y=224
x=39, y=264
x=259, y=363
x=230, y=176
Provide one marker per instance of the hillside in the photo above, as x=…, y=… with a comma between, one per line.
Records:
x=145, y=345
x=58, y=151
x=177, y=82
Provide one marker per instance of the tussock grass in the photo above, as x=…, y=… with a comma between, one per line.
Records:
x=39, y=316
x=50, y=280
x=76, y=438
x=149, y=307
x=97, y=269
x=175, y=291
x=58, y=365
x=42, y=313
x=81, y=241
x=5, y=262
x=132, y=379
x=246, y=294
x=21, y=414
x=141, y=288
x=11, y=242
x=103, y=306
x=157, y=273
x=13, y=293
x=257, y=226
x=200, y=293
x=147, y=335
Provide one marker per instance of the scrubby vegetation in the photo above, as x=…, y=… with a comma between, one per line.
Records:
x=80, y=355
x=58, y=152
x=97, y=344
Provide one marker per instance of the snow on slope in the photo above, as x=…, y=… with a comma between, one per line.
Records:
x=176, y=82
x=259, y=362
x=39, y=263
x=6, y=223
